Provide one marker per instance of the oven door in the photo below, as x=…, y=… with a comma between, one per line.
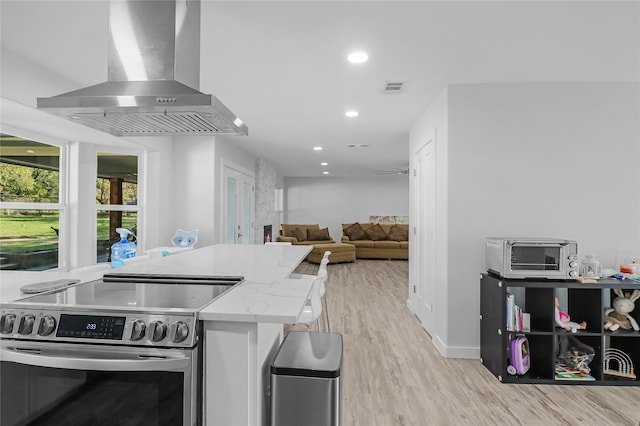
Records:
x=44, y=383
x=538, y=260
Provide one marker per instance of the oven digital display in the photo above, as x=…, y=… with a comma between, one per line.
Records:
x=91, y=326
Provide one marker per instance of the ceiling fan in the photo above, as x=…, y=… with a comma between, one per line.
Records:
x=393, y=171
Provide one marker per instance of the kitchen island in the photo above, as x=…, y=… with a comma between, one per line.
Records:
x=242, y=328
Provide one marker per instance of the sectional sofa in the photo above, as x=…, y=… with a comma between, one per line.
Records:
x=377, y=241
x=319, y=238
x=308, y=234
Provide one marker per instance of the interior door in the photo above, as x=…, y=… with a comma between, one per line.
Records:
x=239, y=194
x=423, y=269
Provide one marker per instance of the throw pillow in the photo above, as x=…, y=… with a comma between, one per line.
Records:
x=299, y=234
x=376, y=233
x=355, y=232
x=318, y=234
x=398, y=234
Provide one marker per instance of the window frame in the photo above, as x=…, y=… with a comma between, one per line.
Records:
x=138, y=208
x=62, y=206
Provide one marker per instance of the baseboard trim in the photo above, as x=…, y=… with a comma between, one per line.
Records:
x=410, y=306
x=448, y=351
x=455, y=352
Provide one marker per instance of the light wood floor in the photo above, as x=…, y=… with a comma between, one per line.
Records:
x=393, y=375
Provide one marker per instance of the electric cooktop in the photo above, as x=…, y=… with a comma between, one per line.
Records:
x=120, y=308
x=139, y=292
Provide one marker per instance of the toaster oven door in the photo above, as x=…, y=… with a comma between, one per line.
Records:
x=538, y=259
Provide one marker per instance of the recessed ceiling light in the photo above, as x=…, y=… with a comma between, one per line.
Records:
x=357, y=57
x=324, y=164
x=317, y=148
x=325, y=173
x=351, y=113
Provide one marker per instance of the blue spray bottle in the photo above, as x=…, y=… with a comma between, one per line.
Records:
x=123, y=249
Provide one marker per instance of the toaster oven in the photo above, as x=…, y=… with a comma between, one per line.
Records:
x=527, y=258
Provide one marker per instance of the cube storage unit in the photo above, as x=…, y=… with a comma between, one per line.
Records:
x=305, y=380
x=615, y=356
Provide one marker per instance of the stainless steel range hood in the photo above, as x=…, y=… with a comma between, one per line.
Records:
x=153, y=76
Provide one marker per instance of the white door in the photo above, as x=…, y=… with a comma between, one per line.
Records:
x=423, y=255
x=238, y=208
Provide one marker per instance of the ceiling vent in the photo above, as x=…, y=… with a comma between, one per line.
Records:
x=392, y=87
x=392, y=172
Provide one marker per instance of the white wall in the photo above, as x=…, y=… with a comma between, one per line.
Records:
x=332, y=201
x=226, y=151
x=193, y=186
x=197, y=183
x=35, y=81
x=81, y=205
x=158, y=199
x=548, y=159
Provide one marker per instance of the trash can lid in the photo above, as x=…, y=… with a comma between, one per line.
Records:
x=309, y=354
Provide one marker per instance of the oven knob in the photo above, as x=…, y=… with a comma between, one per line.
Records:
x=138, y=328
x=181, y=331
x=158, y=330
x=573, y=274
x=47, y=325
x=26, y=324
x=573, y=264
x=6, y=323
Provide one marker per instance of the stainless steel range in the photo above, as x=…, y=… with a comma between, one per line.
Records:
x=123, y=350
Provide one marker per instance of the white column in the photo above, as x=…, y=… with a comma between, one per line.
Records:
x=237, y=359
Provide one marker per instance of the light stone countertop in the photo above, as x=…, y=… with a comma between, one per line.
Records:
x=279, y=302
x=255, y=262
x=266, y=295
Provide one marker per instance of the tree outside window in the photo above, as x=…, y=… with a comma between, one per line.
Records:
x=116, y=199
x=31, y=208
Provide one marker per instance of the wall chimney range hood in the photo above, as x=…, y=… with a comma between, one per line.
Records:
x=153, y=76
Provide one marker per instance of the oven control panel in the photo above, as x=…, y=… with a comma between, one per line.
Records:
x=91, y=326
x=125, y=328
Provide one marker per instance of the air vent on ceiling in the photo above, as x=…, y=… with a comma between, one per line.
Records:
x=391, y=87
x=392, y=171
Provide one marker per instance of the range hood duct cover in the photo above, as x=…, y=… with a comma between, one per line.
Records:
x=153, y=76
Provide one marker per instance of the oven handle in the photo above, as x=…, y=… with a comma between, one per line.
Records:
x=143, y=363
x=537, y=243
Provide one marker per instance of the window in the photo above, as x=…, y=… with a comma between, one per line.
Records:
x=116, y=200
x=32, y=204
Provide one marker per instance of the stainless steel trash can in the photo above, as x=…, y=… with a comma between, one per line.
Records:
x=305, y=380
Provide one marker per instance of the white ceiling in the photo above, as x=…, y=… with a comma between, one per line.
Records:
x=281, y=66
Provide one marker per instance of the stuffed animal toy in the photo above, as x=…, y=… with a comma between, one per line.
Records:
x=618, y=316
x=185, y=238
